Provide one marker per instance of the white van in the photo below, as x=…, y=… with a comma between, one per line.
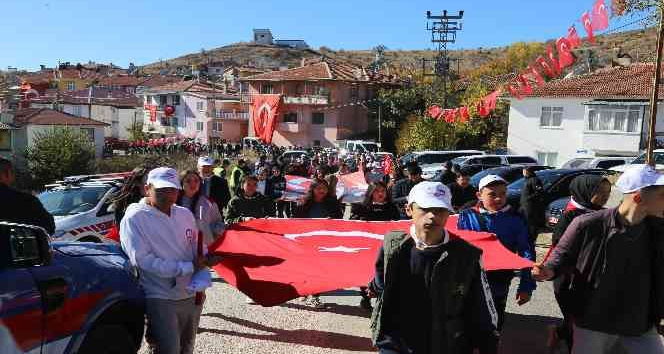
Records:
x=358, y=146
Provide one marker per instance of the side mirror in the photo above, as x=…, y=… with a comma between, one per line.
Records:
x=25, y=245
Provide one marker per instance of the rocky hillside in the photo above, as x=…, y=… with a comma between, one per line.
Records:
x=639, y=44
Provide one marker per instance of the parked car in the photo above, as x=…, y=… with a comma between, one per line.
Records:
x=508, y=173
x=436, y=157
x=554, y=211
x=80, y=206
x=292, y=155
x=495, y=160
x=358, y=146
x=657, y=154
x=67, y=297
x=555, y=181
x=469, y=169
x=597, y=162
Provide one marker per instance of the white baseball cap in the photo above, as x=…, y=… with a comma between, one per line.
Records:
x=205, y=161
x=637, y=177
x=491, y=179
x=164, y=177
x=431, y=195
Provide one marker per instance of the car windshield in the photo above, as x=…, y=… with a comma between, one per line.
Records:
x=659, y=159
x=70, y=201
x=459, y=160
x=548, y=177
x=576, y=163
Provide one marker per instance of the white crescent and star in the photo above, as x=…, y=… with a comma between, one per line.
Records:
x=342, y=249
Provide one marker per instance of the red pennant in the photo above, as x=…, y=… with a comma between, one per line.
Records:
x=434, y=111
x=526, y=88
x=600, y=16
x=535, y=74
x=588, y=25
x=554, y=62
x=516, y=93
x=565, y=56
x=464, y=114
x=490, y=100
x=450, y=115
x=546, y=67
x=455, y=113
x=573, y=38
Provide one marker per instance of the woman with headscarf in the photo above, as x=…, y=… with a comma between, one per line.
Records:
x=589, y=193
x=532, y=206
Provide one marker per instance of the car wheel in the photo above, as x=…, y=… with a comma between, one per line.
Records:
x=108, y=339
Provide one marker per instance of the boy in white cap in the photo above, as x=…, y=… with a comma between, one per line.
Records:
x=433, y=296
x=618, y=260
x=214, y=187
x=160, y=239
x=493, y=214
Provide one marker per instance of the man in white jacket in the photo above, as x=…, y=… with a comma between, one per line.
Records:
x=160, y=239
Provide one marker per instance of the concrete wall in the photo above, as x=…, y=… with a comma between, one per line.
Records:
x=193, y=115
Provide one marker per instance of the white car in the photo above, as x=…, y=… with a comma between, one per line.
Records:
x=641, y=160
x=436, y=157
x=597, y=162
x=80, y=207
x=495, y=160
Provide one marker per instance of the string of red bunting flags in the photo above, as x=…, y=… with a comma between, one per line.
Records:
x=542, y=68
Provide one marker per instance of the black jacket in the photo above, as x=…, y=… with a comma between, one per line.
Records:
x=219, y=192
x=375, y=212
x=331, y=209
x=23, y=208
x=275, y=187
x=532, y=205
x=400, y=191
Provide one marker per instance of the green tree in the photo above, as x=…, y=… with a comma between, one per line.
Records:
x=60, y=152
x=136, y=132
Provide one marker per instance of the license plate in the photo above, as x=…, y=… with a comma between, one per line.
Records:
x=553, y=220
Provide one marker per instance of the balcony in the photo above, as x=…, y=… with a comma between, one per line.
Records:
x=246, y=98
x=231, y=115
x=159, y=129
x=308, y=99
x=289, y=127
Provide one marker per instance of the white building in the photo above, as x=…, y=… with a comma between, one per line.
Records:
x=263, y=36
x=602, y=114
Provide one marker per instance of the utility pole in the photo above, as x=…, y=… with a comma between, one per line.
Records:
x=443, y=30
x=652, y=122
x=380, y=125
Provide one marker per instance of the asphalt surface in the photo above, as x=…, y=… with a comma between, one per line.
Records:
x=229, y=325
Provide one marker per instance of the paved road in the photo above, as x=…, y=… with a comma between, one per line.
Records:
x=229, y=325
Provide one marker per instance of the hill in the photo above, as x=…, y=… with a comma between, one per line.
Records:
x=639, y=44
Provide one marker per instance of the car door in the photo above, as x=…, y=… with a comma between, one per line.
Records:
x=21, y=305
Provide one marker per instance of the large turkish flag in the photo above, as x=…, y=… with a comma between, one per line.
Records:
x=265, y=110
x=276, y=260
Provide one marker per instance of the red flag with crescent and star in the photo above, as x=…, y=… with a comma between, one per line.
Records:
x=276, y=260
x=600, y=16
x=265, y=110
x=588, y=25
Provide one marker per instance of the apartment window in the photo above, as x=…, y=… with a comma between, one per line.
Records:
x=176, y=100
x=318, y=118
x=290, y=117
x=162, y=100
x=267, y=89
x=217, y=126
x=71, y=85
x=174, y=121
x=547, y=158
x=320, y=90
x=199, y=126
x=200, y=106
x=551, y=117
x=77, y=111
x=5, y=140
x=624, y=119
x=90, y=133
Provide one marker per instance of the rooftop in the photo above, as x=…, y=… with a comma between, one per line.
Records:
x=97, y=96
x=624, y=82
x=122, y=80
x=46, y=116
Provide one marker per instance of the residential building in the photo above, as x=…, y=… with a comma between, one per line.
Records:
x=72, y=79
x=39, y=81
x=263, y=36
x=603, y=113
x=291, y=43
x=321, y=101
x=115, y=107
x=202, y=111
x=20, y=129
x=127, y=83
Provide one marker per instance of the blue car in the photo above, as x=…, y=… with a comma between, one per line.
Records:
x=66, y=297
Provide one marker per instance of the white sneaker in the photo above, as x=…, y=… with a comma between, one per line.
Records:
x=250, y=301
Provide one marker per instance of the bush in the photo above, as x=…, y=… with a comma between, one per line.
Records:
x=59, y=152
x=127, y=163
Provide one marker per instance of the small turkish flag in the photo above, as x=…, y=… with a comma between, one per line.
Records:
x=276, y=260
x=565, y=56
x=524, y=85
x=434, y=111
x=450, y=115
x=600, y=16
x=588, y=25
x=555, y=65
x=535, y=74
x=573, y=38
x=463, y=112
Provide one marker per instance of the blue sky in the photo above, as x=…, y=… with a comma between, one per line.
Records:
x=143, y=31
